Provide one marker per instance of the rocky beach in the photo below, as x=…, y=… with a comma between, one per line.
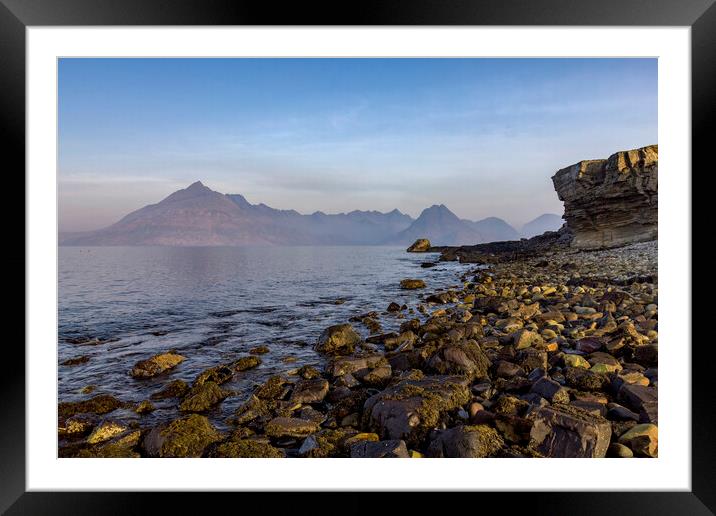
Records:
x=545, y=347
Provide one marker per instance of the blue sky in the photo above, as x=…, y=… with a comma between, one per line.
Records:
x=482, y=136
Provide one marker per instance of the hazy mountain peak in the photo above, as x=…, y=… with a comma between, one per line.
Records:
x=545, y=222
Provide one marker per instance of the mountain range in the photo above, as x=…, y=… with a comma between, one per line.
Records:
x=199, y=216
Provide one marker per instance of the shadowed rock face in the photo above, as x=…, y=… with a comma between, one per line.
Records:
x=611, y=202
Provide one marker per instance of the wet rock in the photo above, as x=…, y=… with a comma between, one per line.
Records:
x=351, y=365
x=642, y=439
x=175, y=389
x=402, y=342
x=245, y=363
x=144, y=407
x=100, y=404
x=421, y=245
x=246, y=449
x=340, y=339
x=187, y=436
x=218, y=375
x=308, y=372
x=156, y=365
x=203, y=397
x=290, y=427
x=251, y=409
x=466, y=442
x=393, y=307
x=464, y=358
x=272, y=389
x=78, y=425
x=310, y=391
x=410, y=409
x=565, y=431
x=259, y=350
x=76, y=361
x=412, y=284
x=393, y=448
x=376, y=377
x=106, y=430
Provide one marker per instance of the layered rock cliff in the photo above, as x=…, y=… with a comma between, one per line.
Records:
x=611, y=202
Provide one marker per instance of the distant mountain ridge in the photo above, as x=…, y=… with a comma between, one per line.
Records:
x=200, y=216
x=545, y=222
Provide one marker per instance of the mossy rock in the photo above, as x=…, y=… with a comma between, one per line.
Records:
x=272, y=389
x=187, y=436
x=156, y=365
x=174, y=389
x=245, y=363
x=100, y=404
x=246, y=449
x=410, y=409
x=339, y=339
x=203, y=397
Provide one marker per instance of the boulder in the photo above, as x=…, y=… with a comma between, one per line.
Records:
x=391, y=449
x=174, y=389
x=568, y=432
x=290, y=427
x=340, y=339
x=187, y=436
x=421, y=245
x=464, y=358
x=411, y=408
x=466, y=442
x=246, y=449
x=310, y=391
x=611, y=202
x=643, y=440
x=100, y=404
x=412, y=284
x=156, y=365
x=203, y=397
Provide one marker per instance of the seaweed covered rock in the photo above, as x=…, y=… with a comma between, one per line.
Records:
x=412, y=284
x=245, y=449
x=310, y=391
x=202, y=397
x=463, y=358
x=566, y=431
x=156, y=365
x=174, y=389
x=466, y=441
x=290, y=427
x=100, y=404
x=187, y=436
x=339, y=339
x=411, y=408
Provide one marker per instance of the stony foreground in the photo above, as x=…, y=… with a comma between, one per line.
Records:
x=553, y=354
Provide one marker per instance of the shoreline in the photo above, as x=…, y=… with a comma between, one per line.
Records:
x=545, y=351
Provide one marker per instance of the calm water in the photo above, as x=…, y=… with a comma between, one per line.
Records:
x=214, y=304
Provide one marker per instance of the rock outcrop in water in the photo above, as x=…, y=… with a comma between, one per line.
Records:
x=611, y=202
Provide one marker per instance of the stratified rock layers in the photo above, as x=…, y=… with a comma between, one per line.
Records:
x=611, y=202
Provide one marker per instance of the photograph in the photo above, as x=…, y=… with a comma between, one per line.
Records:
x=357, y=257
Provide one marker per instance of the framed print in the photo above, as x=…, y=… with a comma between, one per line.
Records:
x=266, y=248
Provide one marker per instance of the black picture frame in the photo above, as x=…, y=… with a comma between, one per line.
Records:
x=17, y=15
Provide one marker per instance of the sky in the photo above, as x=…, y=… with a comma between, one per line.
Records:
x=482, y=136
